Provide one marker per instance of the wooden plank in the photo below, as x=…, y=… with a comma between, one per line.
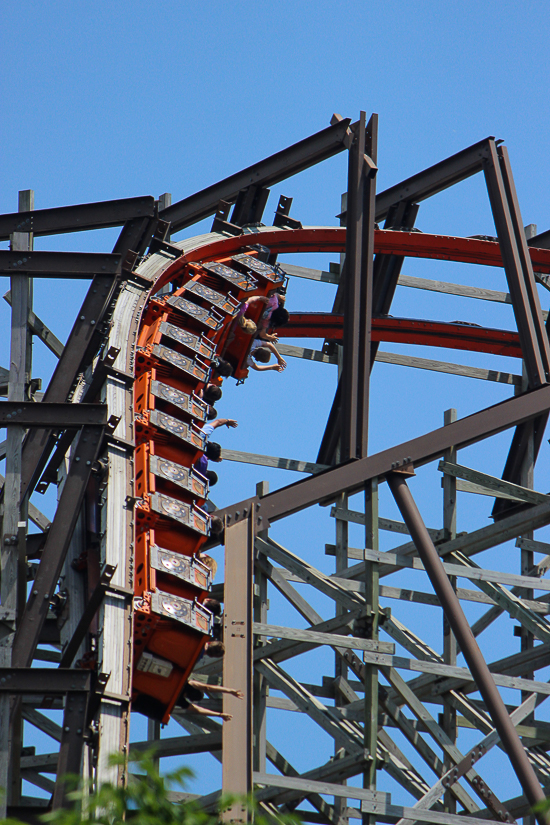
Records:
x=311, y=274
x=42, y=722
x=472, y=573
x=383, y=523
x=450, y=671
x=477, y=489
x=273, y=461
x=410, y=361
x=447, y=367
x=395, y=812
x=312, y=786
x=307, y=354
x=455, y=289
x=492, y=483
x=237, y=665
x=403, y=594
x=321, y=638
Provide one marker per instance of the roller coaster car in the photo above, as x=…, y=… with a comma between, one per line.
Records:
x=195, y=370
x=179, y=336
x=164, y=655
x=166, y=396
x=184, y=437
x=155, y=474
x=169, y=571
x=261, y=270
x=171, y=335
x=190, y=519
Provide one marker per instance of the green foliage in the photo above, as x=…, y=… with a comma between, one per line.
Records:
x=145, y=801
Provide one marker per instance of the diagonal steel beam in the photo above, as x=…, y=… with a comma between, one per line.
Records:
x=517, y=265
x=78, y=218
x=465, y=638
x=353, y=476
x=436, y=178
x=272, y=170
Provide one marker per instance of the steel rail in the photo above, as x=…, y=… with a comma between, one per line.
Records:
x=408, y=331
x=333, y=239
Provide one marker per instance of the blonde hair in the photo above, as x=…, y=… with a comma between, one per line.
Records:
x=247, y=326
x=209, y=562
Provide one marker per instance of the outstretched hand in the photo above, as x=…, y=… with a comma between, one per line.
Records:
x=226, y=717
x=238, y=693
x=231, y=423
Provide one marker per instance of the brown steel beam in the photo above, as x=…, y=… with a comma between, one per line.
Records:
x=71, y=746
x=353, y=476
x=351, y=284
x=517, y=265
x=59, y=264
x=51, y=414
x=43, y=680
x=460, y=627
x=278, y=167
x=357, y=285
x=436, y=178
x=55, y=548
x=78, y=218
x=398, y=204
x=237, y=665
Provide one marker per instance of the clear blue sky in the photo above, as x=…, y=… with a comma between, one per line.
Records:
x=116, y=100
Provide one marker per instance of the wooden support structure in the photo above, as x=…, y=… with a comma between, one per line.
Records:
x=372, y=710
x=237, y=667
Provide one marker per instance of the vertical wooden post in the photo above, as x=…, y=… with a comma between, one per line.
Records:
x=371, y=671
x=153, y=736
x=237, y=665
x=449, y=640
x=527, y=558
x=259, y=691
x=12, y=551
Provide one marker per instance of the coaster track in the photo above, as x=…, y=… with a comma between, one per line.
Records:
x=179, y=334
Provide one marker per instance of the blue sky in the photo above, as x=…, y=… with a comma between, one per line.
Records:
x=117, y=100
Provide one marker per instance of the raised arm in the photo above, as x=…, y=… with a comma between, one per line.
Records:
x=257, y=299
x=276, y=353
x=219, y=422
x=204, y=712
x=216, y=688
x=278, y=367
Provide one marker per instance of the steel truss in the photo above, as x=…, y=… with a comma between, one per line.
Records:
x=81, y=436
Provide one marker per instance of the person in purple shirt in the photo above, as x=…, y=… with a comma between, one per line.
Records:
x=212, y=451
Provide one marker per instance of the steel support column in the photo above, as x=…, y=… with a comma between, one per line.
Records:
x=237, y=665
x=370, y=671
x=465, y=638
x=357, y=278
x=13, y=548
x=449, y=639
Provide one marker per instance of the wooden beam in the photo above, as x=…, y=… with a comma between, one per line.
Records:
x=273, y=461
x=39, y=328
x=410, y=361
x=314, y=638
x=497, y=485
x=237, y=666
